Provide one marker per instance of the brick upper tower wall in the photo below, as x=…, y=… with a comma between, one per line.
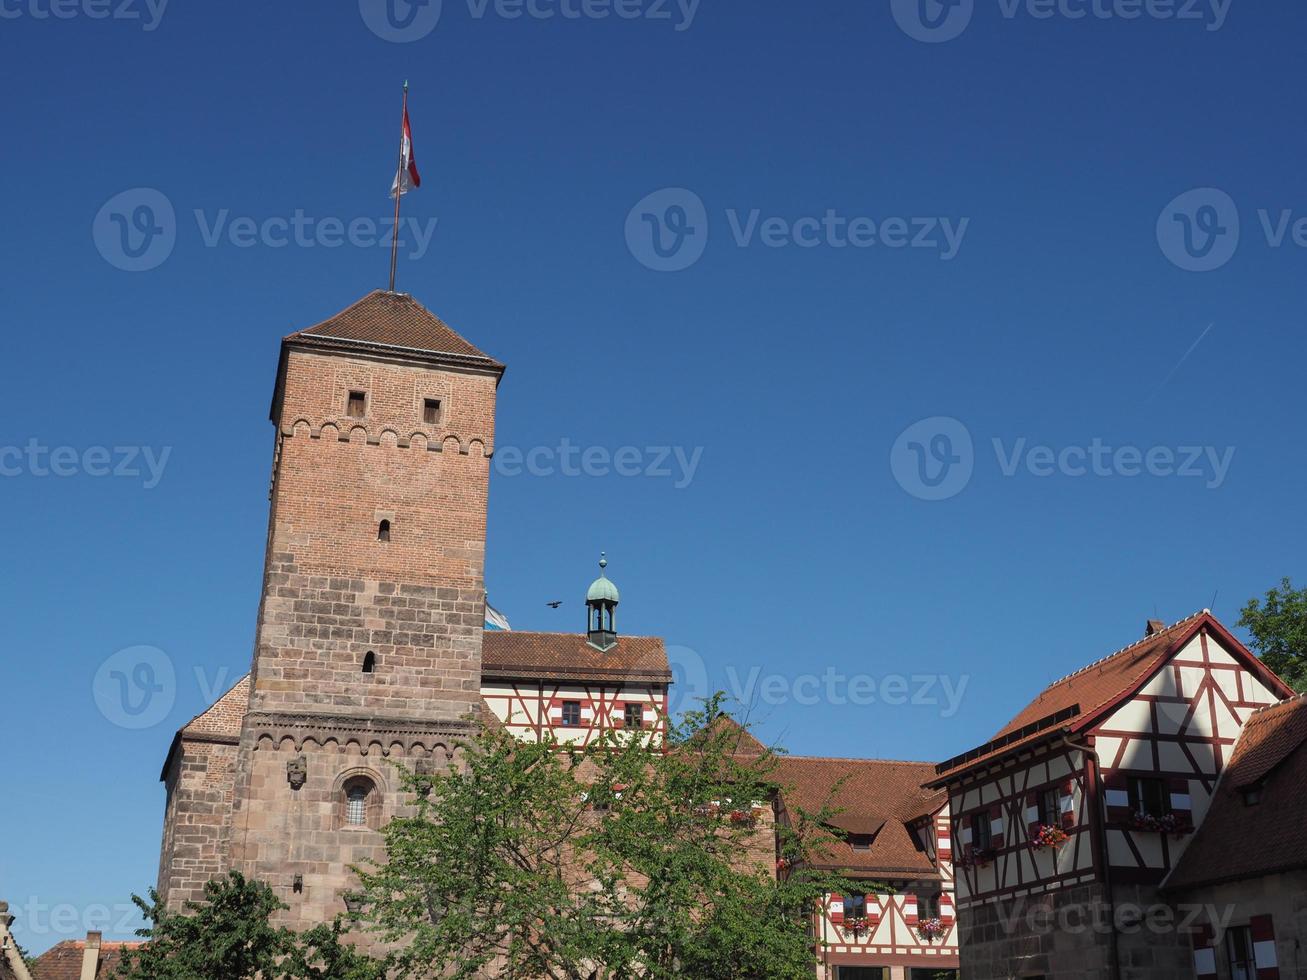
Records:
x=334, y=591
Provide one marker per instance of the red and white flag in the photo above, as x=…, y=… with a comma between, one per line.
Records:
x=407, y=178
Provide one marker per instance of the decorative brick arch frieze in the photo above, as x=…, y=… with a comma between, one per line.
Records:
x=376, y=737
x=351, y=430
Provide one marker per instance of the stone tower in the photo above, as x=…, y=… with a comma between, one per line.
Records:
x=368, y=645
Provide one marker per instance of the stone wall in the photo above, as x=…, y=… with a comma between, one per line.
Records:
x=1067, y=934
x=200, y=782
x=1283, y=897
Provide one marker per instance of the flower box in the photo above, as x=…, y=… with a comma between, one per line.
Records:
x=1048, y=836
x=931, y=929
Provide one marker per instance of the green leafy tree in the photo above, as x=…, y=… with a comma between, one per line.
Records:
x=230, y=936
x=1279, y=631
x=611, y=861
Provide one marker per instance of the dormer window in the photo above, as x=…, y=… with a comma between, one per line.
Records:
x=860, y=842
x=1252, y=795
x=431, y=411
x=357, y=404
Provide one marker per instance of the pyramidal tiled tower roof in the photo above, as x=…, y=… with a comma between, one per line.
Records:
x=393, y=321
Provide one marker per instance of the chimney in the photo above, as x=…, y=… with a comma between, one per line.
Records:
x=91, y=956
x=1154, y=627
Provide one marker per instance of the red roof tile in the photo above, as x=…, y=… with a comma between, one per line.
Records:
x=224, y=718
x=877, y=798
x=64, y=960
x=1077, y=698
x=1271, y=755
x=516, y=654
x=394, y=320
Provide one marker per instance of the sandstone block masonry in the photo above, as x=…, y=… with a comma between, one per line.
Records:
x=368, y=640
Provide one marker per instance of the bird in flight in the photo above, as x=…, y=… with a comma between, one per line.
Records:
x=555, y=604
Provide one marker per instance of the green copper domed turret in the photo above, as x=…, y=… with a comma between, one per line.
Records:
x=601, y=609
x=602, y=588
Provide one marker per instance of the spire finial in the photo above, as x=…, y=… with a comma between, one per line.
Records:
x=603, y=561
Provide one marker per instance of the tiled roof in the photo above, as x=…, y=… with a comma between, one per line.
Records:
x=1078, y=697
x=392, y=320
x=64, y=961
x=1237, y=840
x=517, y=654
x=223, y=719
x=876, y=798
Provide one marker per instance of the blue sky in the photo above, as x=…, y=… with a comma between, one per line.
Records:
x=1149, y=453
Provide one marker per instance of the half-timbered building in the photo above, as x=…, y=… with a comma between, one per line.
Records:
x=895, y=842
x=1069, y=819
x=1245, y=871
x=577, y=687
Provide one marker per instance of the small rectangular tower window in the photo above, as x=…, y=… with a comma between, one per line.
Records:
x=634, y=716
x=1050, y=811
x=431, y=411
x=357, y=404
x=572, y=713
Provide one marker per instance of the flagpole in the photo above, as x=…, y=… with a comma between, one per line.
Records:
x=399, y=186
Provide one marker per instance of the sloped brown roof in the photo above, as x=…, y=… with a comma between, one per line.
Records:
x=1075, y=701
x=876, y=798
x=392, y=320
x=225, y=716
x=515, y=654
x=220, y=722
x=1237, y=840
x=64, y=960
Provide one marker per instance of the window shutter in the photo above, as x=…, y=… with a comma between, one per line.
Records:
x=946, y=913
x=1117, y=797
x=996, y=824
x=1066, y=802
x=1032, y=815
x=837, y=910
x=1204, y=954
x=1263, y=933
x=1181, y=802
x=556, y=711
x=943, y=842
x=910, y=909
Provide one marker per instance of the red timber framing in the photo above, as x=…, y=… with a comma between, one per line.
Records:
x=890, y=934
x=1158, y=744
x=529, y=708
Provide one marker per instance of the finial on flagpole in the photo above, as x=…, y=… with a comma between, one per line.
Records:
x=406, y=85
